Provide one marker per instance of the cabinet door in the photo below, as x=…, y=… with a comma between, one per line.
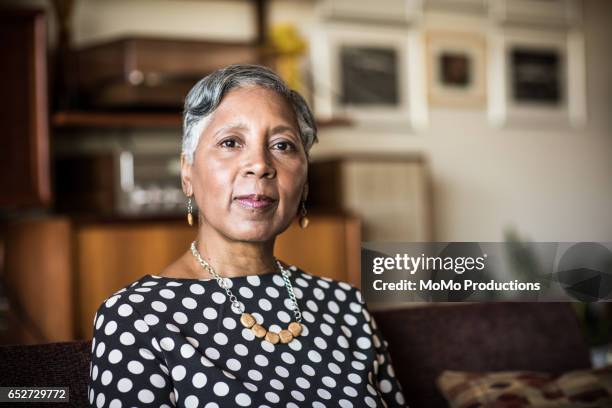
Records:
x=390, y=193
x=24, y=153
x=38, y=280
x=109, y=256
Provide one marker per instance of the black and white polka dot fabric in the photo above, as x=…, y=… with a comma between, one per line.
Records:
x=162, y=342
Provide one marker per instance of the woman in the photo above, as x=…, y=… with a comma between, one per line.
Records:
x=227, y=324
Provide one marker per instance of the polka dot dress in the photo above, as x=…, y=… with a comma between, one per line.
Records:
x=164, y=342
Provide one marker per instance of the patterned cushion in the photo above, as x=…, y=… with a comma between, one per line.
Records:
x=518, y=389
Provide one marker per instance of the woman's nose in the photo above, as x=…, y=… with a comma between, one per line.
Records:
x=258, y=163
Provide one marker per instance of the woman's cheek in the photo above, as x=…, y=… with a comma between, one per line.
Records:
x=216, y=173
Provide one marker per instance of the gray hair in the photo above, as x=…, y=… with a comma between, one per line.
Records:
x=206, y=95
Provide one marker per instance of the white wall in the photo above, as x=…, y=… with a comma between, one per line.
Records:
x=551, y=185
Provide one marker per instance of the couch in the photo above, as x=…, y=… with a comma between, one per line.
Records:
x=423, y=341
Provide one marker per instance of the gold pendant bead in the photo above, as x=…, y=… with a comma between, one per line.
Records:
x=285, y=336
x=295, y=328
x=190, y=219
x=272, y=337
x=247, y=320
x=258, y=330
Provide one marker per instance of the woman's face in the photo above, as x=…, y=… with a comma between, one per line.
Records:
x=251, y=146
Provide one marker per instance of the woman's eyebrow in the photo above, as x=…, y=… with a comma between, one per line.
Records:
x=231, y=126
x=283, y=129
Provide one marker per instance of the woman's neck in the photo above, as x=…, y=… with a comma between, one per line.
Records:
x=231, y=259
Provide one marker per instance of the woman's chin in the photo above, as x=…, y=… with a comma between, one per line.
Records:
x=250, y=231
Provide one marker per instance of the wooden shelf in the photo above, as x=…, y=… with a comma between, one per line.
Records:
x=112, y=120
x=80, y=119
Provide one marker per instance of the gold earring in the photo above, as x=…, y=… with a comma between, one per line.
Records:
x=189, y=213
x=303, y=219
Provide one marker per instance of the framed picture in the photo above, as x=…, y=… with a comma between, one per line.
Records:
x=541, y=12
x=456, y=69
x=366, y=75
x=369, y=75
x=537, y=77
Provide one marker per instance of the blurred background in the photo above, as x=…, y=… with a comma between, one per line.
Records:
x=439, y=120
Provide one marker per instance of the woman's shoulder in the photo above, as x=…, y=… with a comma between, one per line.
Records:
x=124, y=302
x=321, y=284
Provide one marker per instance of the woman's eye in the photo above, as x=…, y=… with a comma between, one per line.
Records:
x=285, y=146
x=229, y=143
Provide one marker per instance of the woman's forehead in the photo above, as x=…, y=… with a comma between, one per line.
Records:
x=242, y=107
x=246, y=95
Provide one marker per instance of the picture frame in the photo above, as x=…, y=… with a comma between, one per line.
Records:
x=456, y=69
x=369, y=76
x=537, y=77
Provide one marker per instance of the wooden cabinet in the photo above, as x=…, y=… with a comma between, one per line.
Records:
x=38, y=281
x=61, y=270
x=390, y=193
x=128, y=72
x=24, y=152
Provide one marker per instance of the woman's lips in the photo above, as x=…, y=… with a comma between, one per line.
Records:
x=255, y=201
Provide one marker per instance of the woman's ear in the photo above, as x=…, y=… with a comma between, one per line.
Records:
x=186, y=176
